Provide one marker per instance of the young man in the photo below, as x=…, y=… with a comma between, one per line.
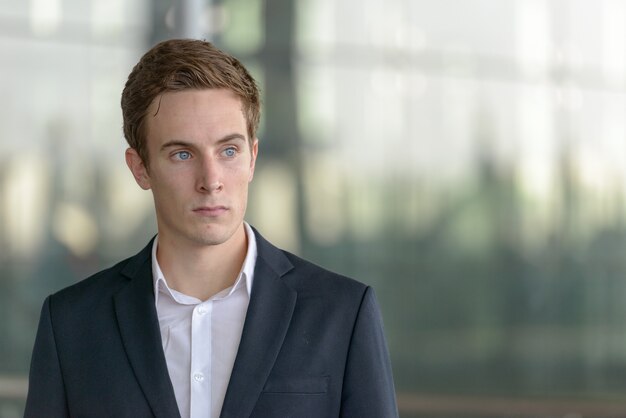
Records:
x=210, y=319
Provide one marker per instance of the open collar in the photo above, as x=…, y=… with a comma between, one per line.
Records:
x=272, y=303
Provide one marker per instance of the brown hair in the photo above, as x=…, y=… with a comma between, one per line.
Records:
x=181, y=64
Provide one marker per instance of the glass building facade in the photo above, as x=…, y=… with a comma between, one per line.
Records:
x=466, y=158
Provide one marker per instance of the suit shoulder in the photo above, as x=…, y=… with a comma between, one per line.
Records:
x=308, y=275
x=100, y=284
x=304, y=275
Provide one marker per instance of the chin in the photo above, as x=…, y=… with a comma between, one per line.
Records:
x=213, y=237
x=207, y=240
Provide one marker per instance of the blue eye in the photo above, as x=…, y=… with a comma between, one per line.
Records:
x=230, y=152
x=183, y=155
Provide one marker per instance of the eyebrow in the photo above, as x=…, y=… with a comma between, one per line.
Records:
x=179, y=143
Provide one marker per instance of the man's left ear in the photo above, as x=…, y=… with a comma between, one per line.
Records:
x=254, y=149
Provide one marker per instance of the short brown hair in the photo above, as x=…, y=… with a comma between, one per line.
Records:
x=181, y=64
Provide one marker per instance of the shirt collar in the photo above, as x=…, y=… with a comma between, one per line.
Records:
x=246, y=273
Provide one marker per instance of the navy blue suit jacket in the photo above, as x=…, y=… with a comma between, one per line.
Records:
x=312, y=346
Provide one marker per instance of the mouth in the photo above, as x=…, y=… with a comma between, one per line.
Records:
x=210, y=211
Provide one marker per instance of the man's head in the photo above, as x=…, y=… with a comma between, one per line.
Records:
x=190, y=116
x=182, y=64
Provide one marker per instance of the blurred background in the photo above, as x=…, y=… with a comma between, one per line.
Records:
x=467, y=158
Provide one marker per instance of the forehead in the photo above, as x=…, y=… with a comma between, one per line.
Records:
x=193, y=112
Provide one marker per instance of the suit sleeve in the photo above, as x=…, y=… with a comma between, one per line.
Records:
x=368, y=389
x=46, y=390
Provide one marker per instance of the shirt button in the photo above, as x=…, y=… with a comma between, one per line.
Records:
x=198, y=377
x=202, y=310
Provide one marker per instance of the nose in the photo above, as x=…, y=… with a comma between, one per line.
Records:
x=209, y=179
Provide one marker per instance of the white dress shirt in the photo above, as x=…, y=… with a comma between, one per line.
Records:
x=201, y=338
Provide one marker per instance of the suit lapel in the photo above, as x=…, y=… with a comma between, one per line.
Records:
x=139, y=328
x=267, y=320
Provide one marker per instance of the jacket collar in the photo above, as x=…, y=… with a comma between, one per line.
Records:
x=139, y=329
x=269, y=313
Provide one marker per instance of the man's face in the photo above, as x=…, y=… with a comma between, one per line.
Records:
x=201, y=163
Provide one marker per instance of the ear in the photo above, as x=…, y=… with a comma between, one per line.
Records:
x=253, y=151
x=138, y=168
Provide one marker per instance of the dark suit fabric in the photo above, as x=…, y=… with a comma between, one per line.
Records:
x=312, y=346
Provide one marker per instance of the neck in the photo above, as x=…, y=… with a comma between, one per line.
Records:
x=202, y=271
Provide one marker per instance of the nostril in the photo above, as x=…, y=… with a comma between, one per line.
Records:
x=211, y=187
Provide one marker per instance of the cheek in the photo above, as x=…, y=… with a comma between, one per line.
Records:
x=238, y=175
x=242, y=187
x=239, y=188
x=169, y=186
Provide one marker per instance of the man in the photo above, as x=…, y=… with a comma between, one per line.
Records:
x=210, y=319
